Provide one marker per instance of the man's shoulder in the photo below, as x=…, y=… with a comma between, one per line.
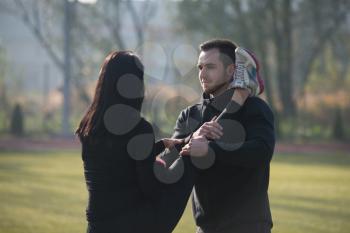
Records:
x=144, y=126
x=256, y=105
x=192, y=111
x=194, y=107
x=257, y=101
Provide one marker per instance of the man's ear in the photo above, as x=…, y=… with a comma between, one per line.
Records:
x=230, y=69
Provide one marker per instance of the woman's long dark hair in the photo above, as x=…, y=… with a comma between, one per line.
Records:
x=116, y=65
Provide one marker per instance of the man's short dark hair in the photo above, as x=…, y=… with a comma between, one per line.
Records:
x=225, y=47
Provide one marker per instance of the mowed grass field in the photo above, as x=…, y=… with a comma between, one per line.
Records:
x=44, y=192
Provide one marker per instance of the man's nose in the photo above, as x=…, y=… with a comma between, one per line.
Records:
x=202, y=74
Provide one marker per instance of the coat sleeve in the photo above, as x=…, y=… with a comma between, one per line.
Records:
x=147, y=181
x=159, y=147
x=258, y=146
x=182, y=130
x=184, y=126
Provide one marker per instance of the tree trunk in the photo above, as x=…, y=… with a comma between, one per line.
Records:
x=283, y=42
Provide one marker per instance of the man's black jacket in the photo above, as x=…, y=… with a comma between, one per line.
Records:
x=233, y=190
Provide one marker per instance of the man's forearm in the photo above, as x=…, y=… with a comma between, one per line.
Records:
x=257, y=148
x=249, y=154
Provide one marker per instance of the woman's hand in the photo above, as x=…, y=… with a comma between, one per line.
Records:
x=197, y=147
x=171, y=142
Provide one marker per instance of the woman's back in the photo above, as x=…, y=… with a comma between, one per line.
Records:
x=115, y=181
x=119, y=155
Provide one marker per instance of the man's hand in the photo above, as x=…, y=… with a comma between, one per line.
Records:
x=210, y=130
x=197, y=147
x=171, y=142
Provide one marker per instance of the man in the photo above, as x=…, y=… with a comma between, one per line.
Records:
x=233, y=154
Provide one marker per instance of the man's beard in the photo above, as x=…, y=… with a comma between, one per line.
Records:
x=216, y=88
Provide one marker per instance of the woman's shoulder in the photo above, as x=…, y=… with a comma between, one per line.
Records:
x=144, y=126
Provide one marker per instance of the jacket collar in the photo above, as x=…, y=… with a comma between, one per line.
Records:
x=218, y=102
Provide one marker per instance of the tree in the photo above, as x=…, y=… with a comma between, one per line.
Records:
x=287, y=35
x=79, y=36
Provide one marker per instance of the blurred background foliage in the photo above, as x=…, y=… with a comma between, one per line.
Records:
x=303, y=46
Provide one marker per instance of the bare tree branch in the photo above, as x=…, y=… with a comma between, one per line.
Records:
x=38, y=34
x=318, y=45
x=136, y=19
x=113, y=25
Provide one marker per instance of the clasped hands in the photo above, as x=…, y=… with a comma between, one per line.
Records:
x=198, y=144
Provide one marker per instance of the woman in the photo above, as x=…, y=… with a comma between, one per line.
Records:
x=119, y=155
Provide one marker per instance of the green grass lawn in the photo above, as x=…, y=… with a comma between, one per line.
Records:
x=44, y=192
